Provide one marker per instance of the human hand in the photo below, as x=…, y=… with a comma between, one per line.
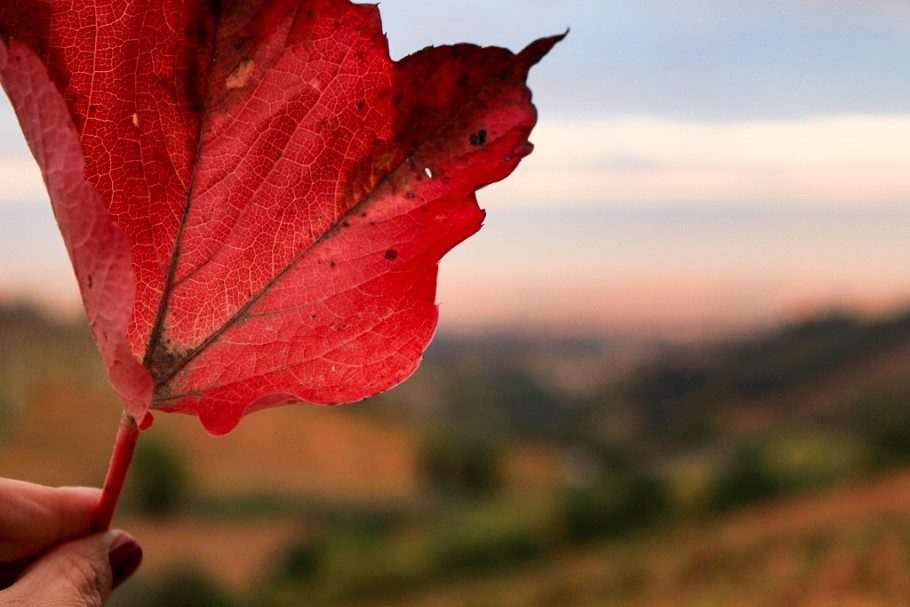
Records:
x=47, y=556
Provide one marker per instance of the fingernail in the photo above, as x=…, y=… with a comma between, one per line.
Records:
x=125, y=556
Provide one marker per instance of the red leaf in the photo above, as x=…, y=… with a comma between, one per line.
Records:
x=98, y=249
x=281, y=189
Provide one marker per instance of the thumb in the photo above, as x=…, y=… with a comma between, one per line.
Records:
x=80, y=573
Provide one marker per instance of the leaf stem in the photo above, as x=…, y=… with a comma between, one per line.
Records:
x=127, y=435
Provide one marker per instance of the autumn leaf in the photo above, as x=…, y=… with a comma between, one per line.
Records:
x=254, y=196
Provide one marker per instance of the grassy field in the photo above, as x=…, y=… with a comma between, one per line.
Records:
x=770, y=471
x=849, y=546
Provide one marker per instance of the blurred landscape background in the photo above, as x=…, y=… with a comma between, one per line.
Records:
x=672, y=369
x=512, y=470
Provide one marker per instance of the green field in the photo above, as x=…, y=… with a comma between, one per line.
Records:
x=511, y=471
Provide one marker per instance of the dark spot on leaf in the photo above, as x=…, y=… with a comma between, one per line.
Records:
x=409, y=195
x=193, y=85
x=202, y=34
x=92, y=109
x=163, y=362
x=90, y=280
x=478, y=138
x=345, y=224
x=332, y=263
x=313, y=316
x=391, y=254
x=360, y=105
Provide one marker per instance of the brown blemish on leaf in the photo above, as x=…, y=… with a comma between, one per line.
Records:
x=164, y=362
x=391, y=254
x=240, y=77
x=367, y=174
x=479, y=138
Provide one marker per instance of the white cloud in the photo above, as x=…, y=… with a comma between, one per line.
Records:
x=846, y=160
x=20, y=180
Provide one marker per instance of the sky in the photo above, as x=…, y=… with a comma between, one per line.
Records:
x=700, y=167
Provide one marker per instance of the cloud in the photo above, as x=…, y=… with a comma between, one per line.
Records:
x=854, y=160
x=20, y=179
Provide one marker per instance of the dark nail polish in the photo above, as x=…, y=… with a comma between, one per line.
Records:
x=125, y=556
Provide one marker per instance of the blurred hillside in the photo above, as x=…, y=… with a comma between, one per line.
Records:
x=511, y=470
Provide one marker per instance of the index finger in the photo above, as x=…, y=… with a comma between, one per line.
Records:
x=34, y=518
